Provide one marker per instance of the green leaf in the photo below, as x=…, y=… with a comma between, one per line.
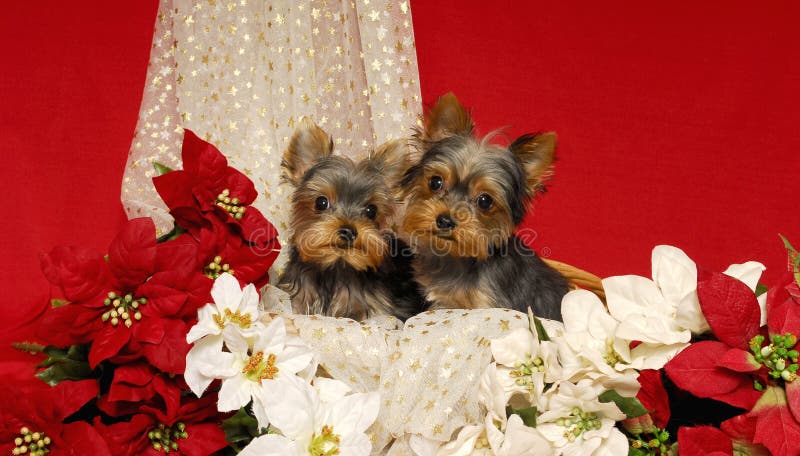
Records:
x=761, y=289
x=65, y=364
x=536, y=324
x=630, y=406
x=528, y=415
x=161, y=168
x=636, y=452
x=240, y=428
x=30, y=347
x=176, y=231
x=55, y=302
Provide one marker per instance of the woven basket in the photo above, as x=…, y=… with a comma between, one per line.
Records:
x=578, y=278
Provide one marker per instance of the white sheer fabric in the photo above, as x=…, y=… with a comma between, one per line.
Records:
x=427, y=371
x=241, y=73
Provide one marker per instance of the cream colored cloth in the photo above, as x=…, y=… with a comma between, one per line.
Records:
x=241, y=73
x=427, y=371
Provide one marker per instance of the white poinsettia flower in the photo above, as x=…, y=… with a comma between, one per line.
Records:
x=592, y=349
x=233, y=314
x=250, y=370
x=577, y=423
x=311, y=426
x=665, y=310
x=524, y=364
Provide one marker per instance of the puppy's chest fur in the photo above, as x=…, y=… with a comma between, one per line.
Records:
x=512, y=277
x=342, y=291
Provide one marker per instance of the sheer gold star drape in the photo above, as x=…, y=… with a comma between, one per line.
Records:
x=241, y=73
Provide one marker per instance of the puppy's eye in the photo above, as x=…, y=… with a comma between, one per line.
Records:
x=436, y=183
x=371, y=211
x=322, y=204
x=485, y=201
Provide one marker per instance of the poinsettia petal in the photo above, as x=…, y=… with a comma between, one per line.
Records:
x=176, y=256
x=676, y=276
x=173, y=188
x=131, y=383
x=204, y=439
x=257, y=230
x=730, y=308
x=290, y=406
x=132, y=253
x=234, y=393
x=196, y=358
x=69, y=325
x=80, y=437
x=654, y=397
x=270, y=445
x=783, y=313
x=743, y=396
x=240, y=186
x=69, y=396
x=169, y=355
x=202, y=159
x=695, y=370
x=108, y=343
x=748, y=272
x=355, y=413
x=776, y=427
x=739, y=361
x=514, y=347
x=793, y=398
x=226, y=293
x=80, y=273
x=629, y=295
x=703, y=441
x=149, y=330
x=355, y=444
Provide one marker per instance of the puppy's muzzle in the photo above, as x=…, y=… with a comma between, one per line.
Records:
x=347, y=234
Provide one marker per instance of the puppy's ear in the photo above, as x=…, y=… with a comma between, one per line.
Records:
x=308, y=145
x=392, y=160
x=535, y=152
x=447, y=118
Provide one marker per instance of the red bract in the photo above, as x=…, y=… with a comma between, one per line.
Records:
x=776, y=428
x=703, y=441
x=36, y=413
x=136, y=384
x=192, y=429
x=138, y=297
x=219, y=250
x=207, y=188
x=654, y=397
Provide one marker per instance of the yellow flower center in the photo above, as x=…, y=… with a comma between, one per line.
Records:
x=257, y=369
x=165, y=438
x=324, y=444
x=243, y=320
x=125, y=309
x=33, y=443
x=231, y=205
x=215, y=269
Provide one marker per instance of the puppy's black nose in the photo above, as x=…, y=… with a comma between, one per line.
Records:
x=445, y=222
x=348, y=234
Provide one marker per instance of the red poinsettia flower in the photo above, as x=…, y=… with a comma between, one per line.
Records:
x=192, y=428
x=32, y=419
x=138, y=297
x=751, y=368
x=208, y=188
x=136, y=384
x=219, y=250
x=723, y=369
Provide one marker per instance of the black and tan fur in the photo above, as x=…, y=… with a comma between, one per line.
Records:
x=465, y=198
x=344, y=259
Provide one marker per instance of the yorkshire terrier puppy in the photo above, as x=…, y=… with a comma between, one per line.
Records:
x=465, y=198
x=345, y=261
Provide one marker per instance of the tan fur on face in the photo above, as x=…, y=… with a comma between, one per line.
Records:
x=318, y=242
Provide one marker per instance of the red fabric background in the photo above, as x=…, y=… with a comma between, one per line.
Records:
x=677, y=122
